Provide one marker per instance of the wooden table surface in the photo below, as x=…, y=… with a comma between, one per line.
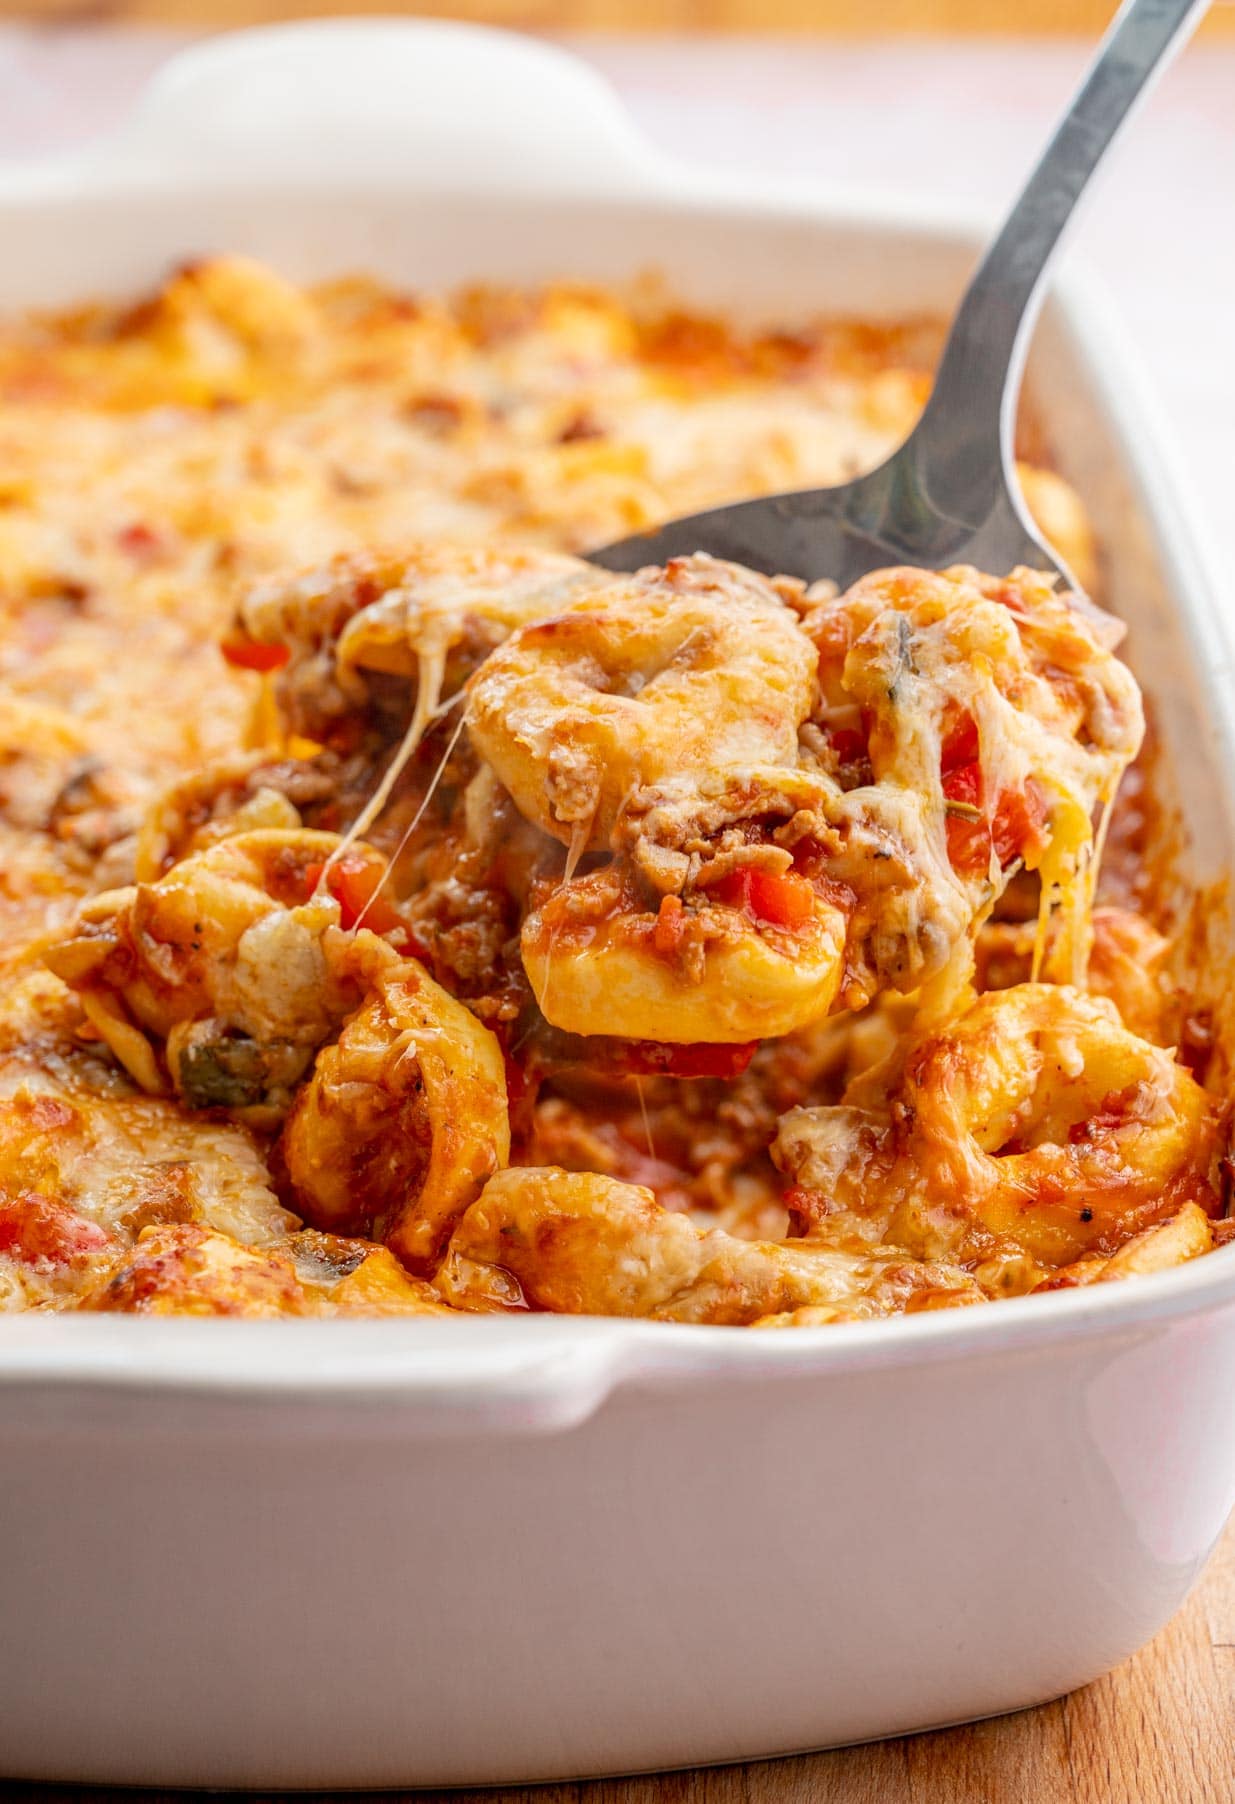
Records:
x=1160, y=1730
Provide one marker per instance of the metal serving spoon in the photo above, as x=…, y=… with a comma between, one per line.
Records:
x=949, y=495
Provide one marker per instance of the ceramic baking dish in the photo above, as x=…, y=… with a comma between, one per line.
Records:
x=390, y=1554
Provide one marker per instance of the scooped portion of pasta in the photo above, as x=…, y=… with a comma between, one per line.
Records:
x=487, y=932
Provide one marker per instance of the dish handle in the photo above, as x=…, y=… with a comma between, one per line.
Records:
x=337, y=99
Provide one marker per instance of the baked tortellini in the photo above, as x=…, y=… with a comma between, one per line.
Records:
x=402, y=1120
x=744, y=809
x=799, y=802
x=221, y=979
x=1029, y=1133
x=405, y=916
x=586, y=1245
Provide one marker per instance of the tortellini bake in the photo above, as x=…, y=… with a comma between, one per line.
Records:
x=403, y=915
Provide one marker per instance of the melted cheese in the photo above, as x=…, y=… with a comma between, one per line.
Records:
x=235, y=458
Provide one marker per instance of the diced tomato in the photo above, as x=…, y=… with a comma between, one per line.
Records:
x=141, y=541
x=46, y=1114
x=969, y=845
x=354, y=882
x=38, y=1230
x=733, y=889
x=848, y=744
x=1010, y=598
x=960, y=744
x=964, y=784
x=1107, y=1119
x=670, y=926
x=969, y=840
x=1051, y=1190
x=804, y=1205
x=781, y=898
x=652, y=1058
x=247, y=654
x=1017, y=827
x=1019, y=823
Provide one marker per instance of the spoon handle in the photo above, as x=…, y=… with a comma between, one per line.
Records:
x=964, y=438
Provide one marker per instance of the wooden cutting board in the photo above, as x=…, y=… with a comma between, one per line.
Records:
x=1159, y=1730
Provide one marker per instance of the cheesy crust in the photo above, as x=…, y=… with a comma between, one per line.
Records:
x=401, y=915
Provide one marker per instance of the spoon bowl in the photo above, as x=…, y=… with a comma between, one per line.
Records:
x=949, y=495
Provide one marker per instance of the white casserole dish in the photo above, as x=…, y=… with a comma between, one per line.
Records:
x=329, y=1555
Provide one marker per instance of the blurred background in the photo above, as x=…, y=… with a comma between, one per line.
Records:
x=947, y=99
x=849, y=18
